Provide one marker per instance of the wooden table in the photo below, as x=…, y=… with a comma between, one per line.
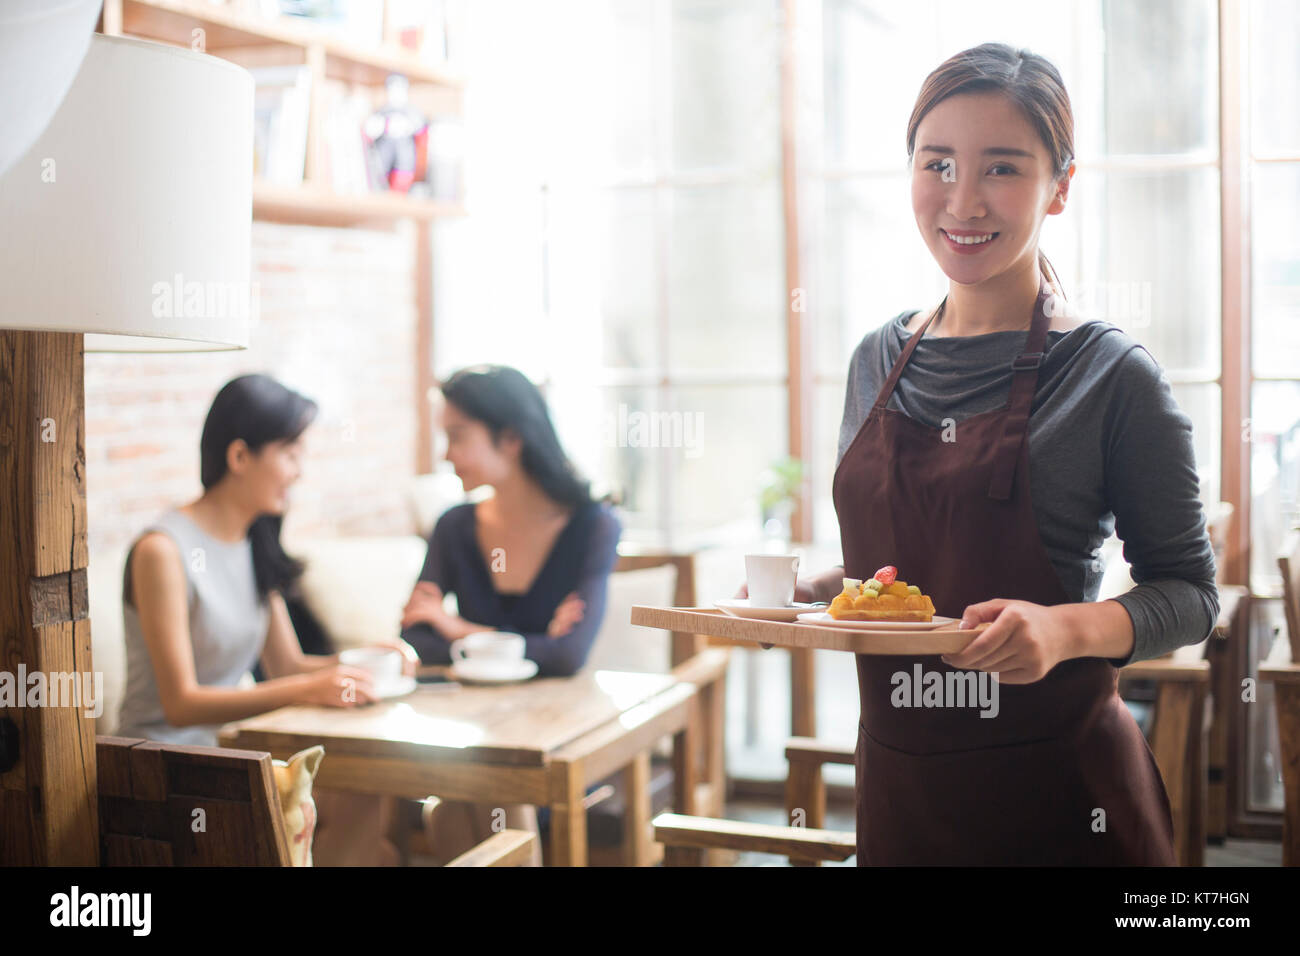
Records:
x=542, y=742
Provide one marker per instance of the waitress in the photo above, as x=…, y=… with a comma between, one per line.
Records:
x=988, y=448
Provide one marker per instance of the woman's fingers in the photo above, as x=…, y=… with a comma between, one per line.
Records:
x=420, y=608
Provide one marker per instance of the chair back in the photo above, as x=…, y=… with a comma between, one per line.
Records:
x=1288, y=563
x=167, y=805
x=657, y=579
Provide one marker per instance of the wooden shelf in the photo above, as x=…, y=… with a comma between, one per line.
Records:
x=308, y=205
x=174, y=22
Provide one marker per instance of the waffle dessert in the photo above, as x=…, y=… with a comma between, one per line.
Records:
x=882, y=598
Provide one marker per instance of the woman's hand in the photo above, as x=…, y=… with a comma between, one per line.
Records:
x=424, y=606
x=566, y=616
x=340, y=686
x=1023, y=643
x=410, y=659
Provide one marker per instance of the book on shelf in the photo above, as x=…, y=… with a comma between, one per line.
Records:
x=349, y=168
x=281, y=102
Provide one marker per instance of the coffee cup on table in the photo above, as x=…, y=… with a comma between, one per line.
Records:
x=384, y=664
x=496, y=647
x=771, y=579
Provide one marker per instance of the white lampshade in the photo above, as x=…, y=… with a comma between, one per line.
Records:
x=129, y=217
x=41, y=46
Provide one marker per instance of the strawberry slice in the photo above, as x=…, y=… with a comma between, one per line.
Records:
x=887, y=575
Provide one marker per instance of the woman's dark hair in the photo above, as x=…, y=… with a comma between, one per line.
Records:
x=259, y=410
x=502, y=397
x=1028, y=80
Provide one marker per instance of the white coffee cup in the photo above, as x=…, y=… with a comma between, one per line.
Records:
x=771, y=579
x=496, y=646
x=384, y=664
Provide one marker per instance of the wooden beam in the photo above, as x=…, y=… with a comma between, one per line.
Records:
x=1234, y=199
x=48, y=800
x=798, y=338
x=424, y=462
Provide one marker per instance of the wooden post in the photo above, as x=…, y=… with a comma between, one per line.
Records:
x=1235, y=325
x=799, y=367
x=424, y=450
x=48, y=799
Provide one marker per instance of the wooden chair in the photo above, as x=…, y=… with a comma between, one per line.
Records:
x=706, y=742
x=165, y=805
x=168, y=805
x=1282, y=669
x=687, y=840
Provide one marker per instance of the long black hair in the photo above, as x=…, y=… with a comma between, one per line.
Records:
x=502, y=397
x=259, y=410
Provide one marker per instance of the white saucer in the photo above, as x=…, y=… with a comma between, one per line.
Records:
x=740, y=607
x=825, y=620
x=493, y=672
x=398, y=687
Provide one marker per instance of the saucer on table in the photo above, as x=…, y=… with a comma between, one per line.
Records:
x=395, y=687
x=740, y=607
x=488, y=671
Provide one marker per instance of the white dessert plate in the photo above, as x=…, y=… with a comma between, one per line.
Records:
x=824, y=619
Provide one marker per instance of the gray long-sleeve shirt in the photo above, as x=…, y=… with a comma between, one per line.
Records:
x=1109, y=450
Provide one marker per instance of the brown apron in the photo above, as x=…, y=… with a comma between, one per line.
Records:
x=1062, y=774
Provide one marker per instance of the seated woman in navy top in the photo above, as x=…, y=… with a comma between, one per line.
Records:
x=534, y=559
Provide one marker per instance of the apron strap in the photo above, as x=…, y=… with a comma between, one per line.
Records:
x=888, y=388
x=1023, y=382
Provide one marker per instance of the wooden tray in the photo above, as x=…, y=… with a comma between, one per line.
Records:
x=715, y=623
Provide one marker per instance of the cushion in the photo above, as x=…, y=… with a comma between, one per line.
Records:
x=356, y=587
x=430, y=496
x=622, y=646
x=107, y=643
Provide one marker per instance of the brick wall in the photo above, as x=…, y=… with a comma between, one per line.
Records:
x=337, y=322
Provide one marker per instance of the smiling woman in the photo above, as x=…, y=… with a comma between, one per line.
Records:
x=994, y=459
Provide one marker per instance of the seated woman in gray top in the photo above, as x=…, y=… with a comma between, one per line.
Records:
x=203, y=602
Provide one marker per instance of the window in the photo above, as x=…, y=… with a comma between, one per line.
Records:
x=646, y=268
x=1274, y=424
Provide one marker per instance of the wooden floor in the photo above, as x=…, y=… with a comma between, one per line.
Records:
x=1231, y=853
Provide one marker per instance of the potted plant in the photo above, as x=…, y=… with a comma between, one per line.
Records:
x=782, y=481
